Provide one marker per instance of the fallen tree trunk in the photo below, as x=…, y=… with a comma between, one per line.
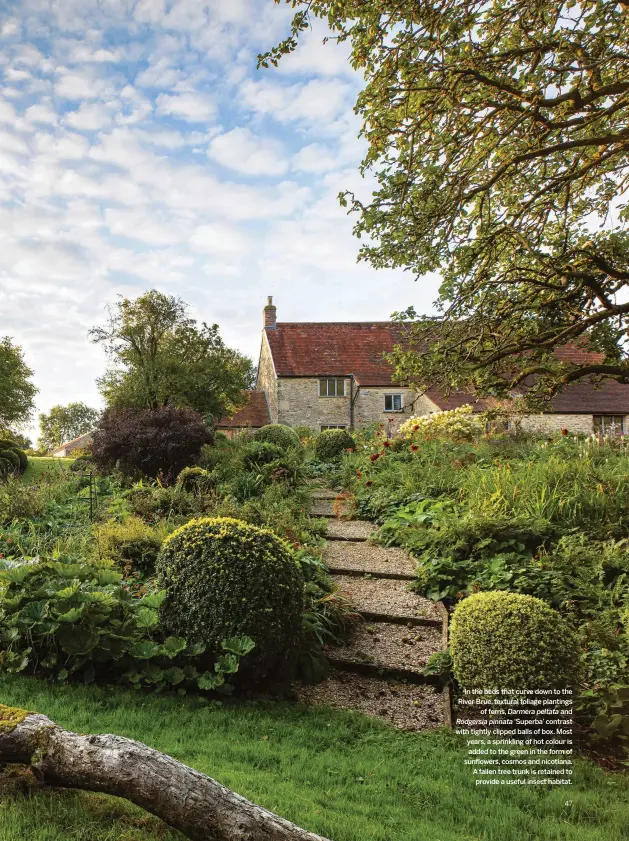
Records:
x=185, y=799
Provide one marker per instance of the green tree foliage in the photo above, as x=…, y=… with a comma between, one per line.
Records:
x=161, y=357
x=17, y=392
x=63, y=423
x=498, y=135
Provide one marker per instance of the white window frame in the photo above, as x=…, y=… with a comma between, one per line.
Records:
x=325, y=426
x=327, y=381
x=393, y=395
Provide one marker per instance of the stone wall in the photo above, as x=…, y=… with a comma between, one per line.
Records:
x=299, y=404
x=369, y=407
x=266, y=380
x=575, y=424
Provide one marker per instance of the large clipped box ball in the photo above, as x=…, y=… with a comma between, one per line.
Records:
x=512, y=641
x=226, y=578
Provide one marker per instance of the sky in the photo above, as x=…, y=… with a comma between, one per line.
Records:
x=140, y=148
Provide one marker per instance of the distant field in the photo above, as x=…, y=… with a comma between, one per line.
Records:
x=38, y=465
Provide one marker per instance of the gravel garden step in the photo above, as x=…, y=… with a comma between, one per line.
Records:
x=388, y=599
x=325, y=508
x=408, y=706
x=324, y=493
x=350, y=529
x=355, y=558
x=382, y=646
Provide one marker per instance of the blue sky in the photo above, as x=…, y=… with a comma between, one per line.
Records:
x=140, y=148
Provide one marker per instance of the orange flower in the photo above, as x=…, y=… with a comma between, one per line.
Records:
x=414, y=448
x=564, y=431
x=386, y=443
x=368, y=484
x=374, y=456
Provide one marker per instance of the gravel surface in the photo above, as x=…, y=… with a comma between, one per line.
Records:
x=367, y=558
x=324, y=493
x=350, y=529
x=404, y=705
x=385, y=595
x=322, y=508
x=389, y=646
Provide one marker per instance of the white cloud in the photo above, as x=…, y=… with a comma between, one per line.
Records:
x=90, y=116
x=245, y=152
x=317, y=101
x=151, y=230
x=82, y=53
x=192, y=107
x=150, y=11
x=80, y=85
x=218, y=237
x=159, y=74
x=41, y=113
x=7, y=112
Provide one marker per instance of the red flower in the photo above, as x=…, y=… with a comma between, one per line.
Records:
x=374, y=457
x=390, y=420
x=368, y=484
x=416, y=427
x=359, y=474
x=564, y=431
x=386, y=443
x=414, y=448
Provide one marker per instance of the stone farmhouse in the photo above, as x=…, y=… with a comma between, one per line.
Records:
x=327, y=375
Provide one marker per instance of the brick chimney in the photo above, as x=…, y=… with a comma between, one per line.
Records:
x=270, y=315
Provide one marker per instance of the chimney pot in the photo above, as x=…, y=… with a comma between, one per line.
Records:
x=270, y=315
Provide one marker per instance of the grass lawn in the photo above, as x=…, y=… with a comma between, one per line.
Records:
x=44, y=464
x=339, y=774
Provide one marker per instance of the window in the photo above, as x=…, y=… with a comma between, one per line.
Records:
x=609, y=424
x=332, y=388
x=333, y=426
x=393, y=403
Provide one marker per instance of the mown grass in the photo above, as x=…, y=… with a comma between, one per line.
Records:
x=342, y=775
x=38, y=465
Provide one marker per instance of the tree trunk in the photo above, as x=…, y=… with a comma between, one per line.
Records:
x=196, y=805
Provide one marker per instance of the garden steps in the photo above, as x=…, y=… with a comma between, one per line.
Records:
x=350, y=529
x=324, y=493
x=388, y=600
x=388, y=648
x=409, y=706
x=378, y=669
x=360, y=557
x=325, y=507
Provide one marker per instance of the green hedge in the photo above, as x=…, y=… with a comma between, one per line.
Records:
x=511, y=641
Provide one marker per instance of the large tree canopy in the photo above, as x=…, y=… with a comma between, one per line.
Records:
x=63, y=423
x=499, y=136
x=161, y=357
x=17, y=392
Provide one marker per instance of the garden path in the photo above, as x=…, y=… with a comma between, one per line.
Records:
x=378, y=669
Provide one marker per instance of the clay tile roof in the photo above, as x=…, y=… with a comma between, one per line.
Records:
x=254, y=414
x=336, y=349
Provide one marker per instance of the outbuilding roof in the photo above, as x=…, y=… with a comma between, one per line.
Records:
x=254, y=414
